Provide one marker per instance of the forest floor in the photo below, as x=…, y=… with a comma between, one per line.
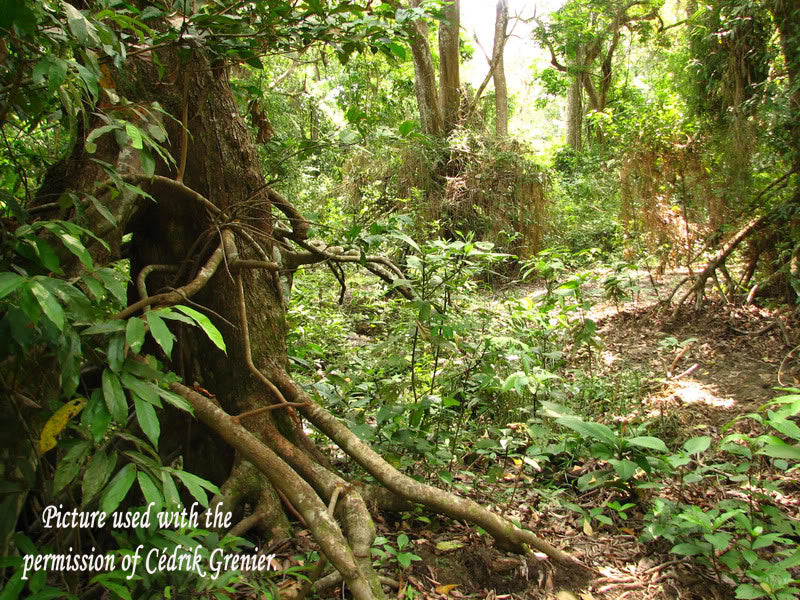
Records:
x=695, y=374
x=688, y=377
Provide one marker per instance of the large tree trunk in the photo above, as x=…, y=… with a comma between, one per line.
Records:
x=499, y=74
x=449, y=65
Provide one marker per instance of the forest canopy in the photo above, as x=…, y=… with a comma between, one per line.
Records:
x=307, y=295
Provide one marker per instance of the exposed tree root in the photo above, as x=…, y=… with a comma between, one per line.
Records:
x=324, y=528
x=506, y=533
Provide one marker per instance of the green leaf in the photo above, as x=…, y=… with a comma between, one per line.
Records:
x=115, y=397
x=148, y=420
x=786, y=427
x=144, y=389
x=9, y=282
x=687, y=549
x=206, y=325
x=104, y=327
x=49, y=304
x=56, y=73
x=95, y=416
x=748, y=591
x=80, y=27
x=69, y=466
x=135, y=135
x=624, y=468
x=116, y=352
x=148, y=162
x=47, y=256
x=696, y=445
x=101, y=208
x=97, y=473
x=134, y=334
x=118, y=489
x=116, y=283
x=647, y=441
x=150, y=491
x=160, y=332
x=171, y=497
x=781, y=451
x=590, y=429
x=195, y=486
x=75, y=246
x=13, y=587
x=719, y=540
x=95, y=288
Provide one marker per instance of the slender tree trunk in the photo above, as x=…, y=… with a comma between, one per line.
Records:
x=430, y=112
x=574, y=113
x=500, y=88
x=449, y=65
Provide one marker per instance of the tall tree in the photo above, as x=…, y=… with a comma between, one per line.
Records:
x=450, y=65
x=438, y=105
x=582, y=38
x=499, y=72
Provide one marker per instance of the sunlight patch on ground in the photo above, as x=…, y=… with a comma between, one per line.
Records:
x=695, y=392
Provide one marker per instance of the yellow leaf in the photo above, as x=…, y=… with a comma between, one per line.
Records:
x=58, y=421
x=587, y=527
x=445, y=589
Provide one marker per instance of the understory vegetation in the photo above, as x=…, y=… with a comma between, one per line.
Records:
x=417, y=336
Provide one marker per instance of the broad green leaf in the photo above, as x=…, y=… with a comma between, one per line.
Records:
x=207, y=326
x=786, y=427
x=96, y=416
x=97, y=473
x=134, y=334
x=74, y=245
x=687, y=549
x=719, y=540
x=781, y=451
x=696, y=445
x=69, y=466
x=144, y=389
x=160, y=332
x=148, y=420
x=195, y=486
x=80, y=27
x=747, y=591
x=50, y=306
x=624, y=468
x=114, y=396
x=647, y=441
x=134, y=134
x=96, y=289
x=118, y=488
x=150, y=492
x=590, y=429
x=9, y=282
x=115, y=283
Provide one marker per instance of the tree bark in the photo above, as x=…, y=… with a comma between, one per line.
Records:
x=449, y=65
x=499, y=73
x=574, y=113
x=430, y=112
